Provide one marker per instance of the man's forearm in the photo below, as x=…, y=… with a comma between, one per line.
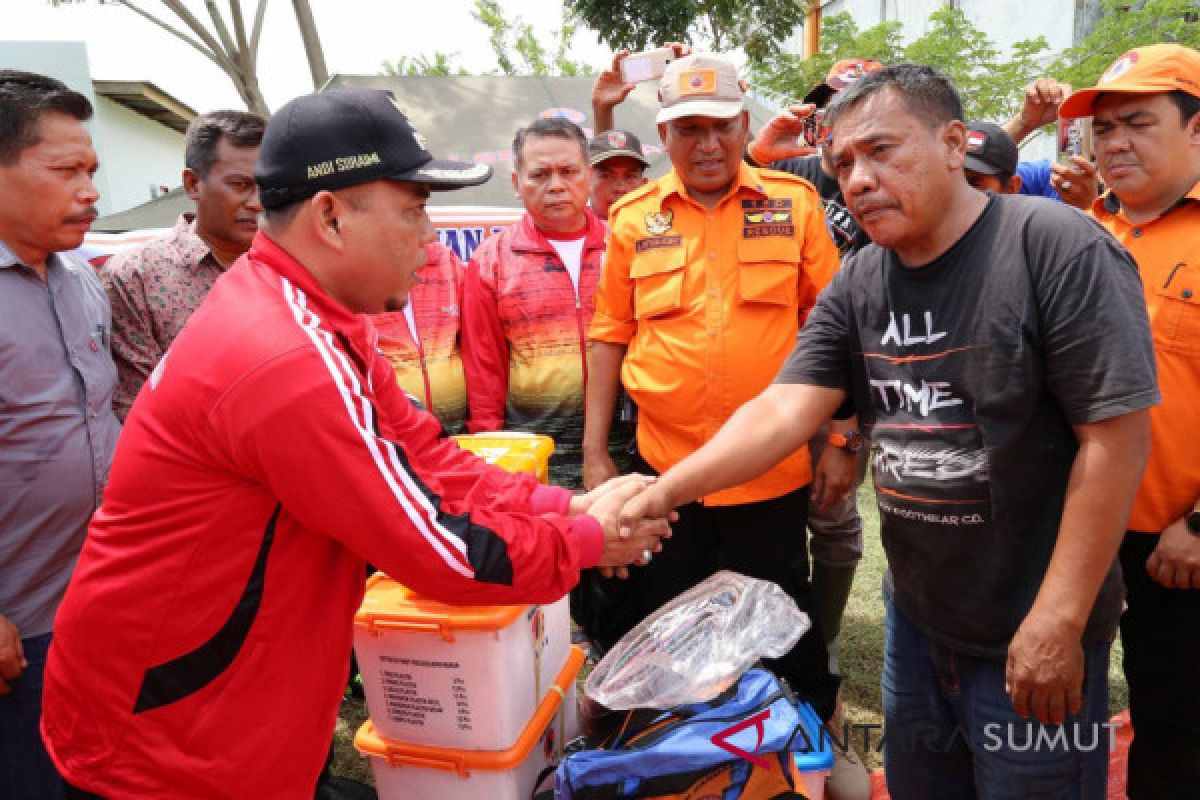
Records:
x=844, y=426
x=1104, y=478
x=1017, y=129
x=603, y=117
x=758, y=436
x=604, y=375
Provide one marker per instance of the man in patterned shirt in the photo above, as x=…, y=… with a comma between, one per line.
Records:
x=155, y=287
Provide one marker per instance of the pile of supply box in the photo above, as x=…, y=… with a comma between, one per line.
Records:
x=465, y=701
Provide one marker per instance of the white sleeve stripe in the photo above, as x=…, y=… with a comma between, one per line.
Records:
x=427, y=524
x=414, y=491
x=444, y=543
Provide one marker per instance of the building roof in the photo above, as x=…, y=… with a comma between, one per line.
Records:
x=161, y=212
x=148, y=100
x=472, y=118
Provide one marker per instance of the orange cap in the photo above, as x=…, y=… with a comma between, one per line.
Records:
x=841, y=74
x=1143, y=70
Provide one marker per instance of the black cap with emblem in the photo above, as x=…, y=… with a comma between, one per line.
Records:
x=347, y=137
x=611, y=144
x=990, y=150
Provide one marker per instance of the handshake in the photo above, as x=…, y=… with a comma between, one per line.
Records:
x=635, y=517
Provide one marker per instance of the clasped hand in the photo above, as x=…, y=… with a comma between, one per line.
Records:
x=624, y=544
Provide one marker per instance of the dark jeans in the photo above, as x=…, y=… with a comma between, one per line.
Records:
x=1160, y=632
x=26, y=770
x=762, y=540
x=951, y=732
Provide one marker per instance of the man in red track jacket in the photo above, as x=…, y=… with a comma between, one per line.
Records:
x=202, y=645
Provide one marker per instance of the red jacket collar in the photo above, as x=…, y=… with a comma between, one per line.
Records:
x=332, y=313
x=527, y=238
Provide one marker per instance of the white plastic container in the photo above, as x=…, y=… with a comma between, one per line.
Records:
x=405, y=771
x=468, y=677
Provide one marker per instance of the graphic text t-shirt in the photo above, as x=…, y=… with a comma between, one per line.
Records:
x=968, y=374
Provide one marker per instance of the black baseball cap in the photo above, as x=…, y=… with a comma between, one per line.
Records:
x=990, y=150
x=612, y=144
x=347, y=137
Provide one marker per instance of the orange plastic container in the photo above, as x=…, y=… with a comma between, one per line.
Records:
x=512, y=450
x=455, y=676
x=406, y=771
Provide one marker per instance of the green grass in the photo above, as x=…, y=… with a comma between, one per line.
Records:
x=860, y=656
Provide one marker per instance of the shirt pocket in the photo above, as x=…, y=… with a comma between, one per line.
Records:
x=658, y=282
x=20, y=468
x=768, y=270
x=1176, y=323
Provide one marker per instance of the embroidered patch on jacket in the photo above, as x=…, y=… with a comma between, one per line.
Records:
x=659, y=222
x=772, y=217
x=658, y=243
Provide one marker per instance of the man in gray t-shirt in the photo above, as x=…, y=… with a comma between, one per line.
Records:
x=997, y=352
x=57, y=429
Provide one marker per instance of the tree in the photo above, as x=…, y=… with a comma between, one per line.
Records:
x=518, y=50
x=788, y=76
x=228, y=43
x=991, y=86
x=757, y=26
x=1122, y=26
x=441, y=65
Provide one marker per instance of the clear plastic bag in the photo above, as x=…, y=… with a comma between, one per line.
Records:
x=697, y=645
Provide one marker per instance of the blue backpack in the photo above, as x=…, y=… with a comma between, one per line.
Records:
x=753, y=742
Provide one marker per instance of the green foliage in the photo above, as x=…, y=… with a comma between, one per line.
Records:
x=757, y=26
x=440, y=65
x=788, y=76
x=1122, y=26
x=519, y=51
x=990, y=84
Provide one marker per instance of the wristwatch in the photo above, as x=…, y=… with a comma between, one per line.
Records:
x=1192, y=520
x=850, y=441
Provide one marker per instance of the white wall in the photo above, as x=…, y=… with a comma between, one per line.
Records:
x=135, y=153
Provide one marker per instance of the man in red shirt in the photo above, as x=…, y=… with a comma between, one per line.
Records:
x=200, y=651
x=527, y=303
x=423, y=341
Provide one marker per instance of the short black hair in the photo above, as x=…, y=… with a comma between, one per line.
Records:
x=204, y=134
x=24, y=98
x=560, y=127
x=927, y=93
x=280, y=218
x=1187, y=103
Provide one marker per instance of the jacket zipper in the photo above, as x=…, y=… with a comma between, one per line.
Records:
x=582, y=336
x=424, y=369
x=635, y=743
